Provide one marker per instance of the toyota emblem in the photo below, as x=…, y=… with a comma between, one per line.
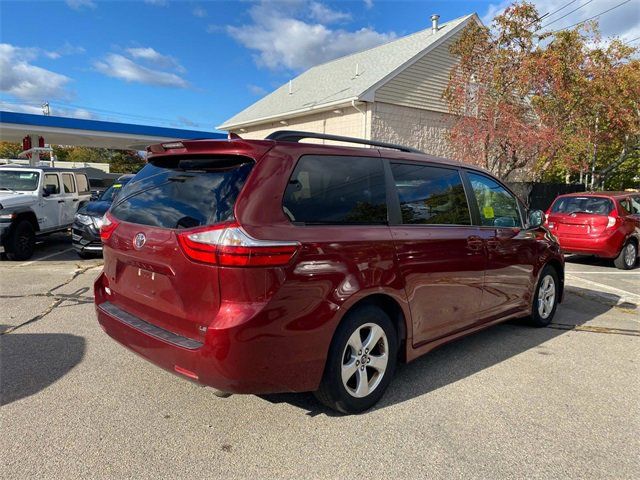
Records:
x=139, y=241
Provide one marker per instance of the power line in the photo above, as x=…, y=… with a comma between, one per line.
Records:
x=594, y=17
x=631, y=41
x=559, y=9
x=567, y=14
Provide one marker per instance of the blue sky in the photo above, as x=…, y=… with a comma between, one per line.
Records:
x=194, y=64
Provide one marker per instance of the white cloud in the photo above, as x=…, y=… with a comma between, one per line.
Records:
x=199, y=12
x=155, y=58
x=66, y=49
x=157, y=3
x=282, y=38
x=186, y=122
x=213, y=28
x=623, y=21
x=256, y=90
x=20, y=78
x=323, y=14
x=80, y=4
x=368, y=3
x=36, y=109
x=119, y=66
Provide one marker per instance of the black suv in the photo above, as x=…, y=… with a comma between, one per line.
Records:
x=85, y=231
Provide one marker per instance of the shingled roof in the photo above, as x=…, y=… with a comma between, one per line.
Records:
x=336, y=82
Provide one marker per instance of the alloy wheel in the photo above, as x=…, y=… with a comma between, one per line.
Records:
x=364, y=360
x=630, y=254
x=546, y=296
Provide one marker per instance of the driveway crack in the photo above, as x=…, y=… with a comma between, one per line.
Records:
x=59, y=298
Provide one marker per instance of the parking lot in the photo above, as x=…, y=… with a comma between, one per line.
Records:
x=509, y=402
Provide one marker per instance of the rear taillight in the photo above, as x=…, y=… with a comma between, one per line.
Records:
x=229, y=245
x=109, y=224
x=612, y=222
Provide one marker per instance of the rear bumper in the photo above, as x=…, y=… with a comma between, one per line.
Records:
x=605, y=246
x=237, y=359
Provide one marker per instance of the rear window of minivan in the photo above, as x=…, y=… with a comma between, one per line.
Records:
x=184, y=194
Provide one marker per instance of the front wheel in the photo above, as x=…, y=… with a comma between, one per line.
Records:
x=546, y=298
x=361, y=361
x=628, y=256
x=21, y=242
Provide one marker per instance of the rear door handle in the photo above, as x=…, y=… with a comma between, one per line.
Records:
x=75, y=199
x=492, y=243
x=60, y=201
x=474, y=243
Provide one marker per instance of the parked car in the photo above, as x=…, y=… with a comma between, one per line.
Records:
x=605, y=224
x=85, y=231
x=36, y=201
x=258, y=266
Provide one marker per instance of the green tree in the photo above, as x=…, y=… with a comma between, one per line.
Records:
x=10, y=150
x=552, y=104
x=126, y=161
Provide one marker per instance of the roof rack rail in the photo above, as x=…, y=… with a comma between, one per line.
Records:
x=295, y=136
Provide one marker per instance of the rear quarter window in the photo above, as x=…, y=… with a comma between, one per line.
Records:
x=83, y=183
x=201, y=192
x=337, y=190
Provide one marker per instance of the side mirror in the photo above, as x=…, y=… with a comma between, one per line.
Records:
x=46, y=192
x=536, y=218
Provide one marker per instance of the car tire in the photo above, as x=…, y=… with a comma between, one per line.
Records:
x=361, y=361
x=22, y=241
x=545, y=300
x=628, y=256
x=86, y=255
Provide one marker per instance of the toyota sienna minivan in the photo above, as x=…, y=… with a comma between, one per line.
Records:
x=262, y=266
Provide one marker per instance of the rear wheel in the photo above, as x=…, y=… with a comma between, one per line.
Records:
x=86, y=255
x=628, y=256
x=361, y=361
x=21, y=242
x=546, y=298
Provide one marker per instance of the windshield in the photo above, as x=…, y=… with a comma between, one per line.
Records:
x=111, y=193
x=591, y=205
x=17, y=180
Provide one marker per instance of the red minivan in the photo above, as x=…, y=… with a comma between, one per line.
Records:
x=605, y=224
x=260, y=266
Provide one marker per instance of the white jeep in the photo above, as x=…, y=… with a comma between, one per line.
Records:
x=36, y=201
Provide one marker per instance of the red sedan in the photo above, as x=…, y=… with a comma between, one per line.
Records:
x=605, y=224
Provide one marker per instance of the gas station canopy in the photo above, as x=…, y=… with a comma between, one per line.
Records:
x=90, y=133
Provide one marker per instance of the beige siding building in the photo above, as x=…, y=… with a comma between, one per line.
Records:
x=390, y=93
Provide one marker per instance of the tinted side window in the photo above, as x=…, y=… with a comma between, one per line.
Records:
x=498, y=208
x=635, y=205
x=337, y=190
x=52, y=183
x=430, y=195
x=83, y=183
x=69, y=183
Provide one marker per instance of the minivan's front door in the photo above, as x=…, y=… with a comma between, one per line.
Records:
x=511, y=250
x=439, y=252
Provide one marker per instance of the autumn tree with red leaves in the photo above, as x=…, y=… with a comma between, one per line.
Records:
x=542, y=103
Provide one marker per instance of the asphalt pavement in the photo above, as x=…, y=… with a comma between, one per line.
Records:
x=509, y=402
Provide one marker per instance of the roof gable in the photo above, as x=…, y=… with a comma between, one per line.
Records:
x=336, y=81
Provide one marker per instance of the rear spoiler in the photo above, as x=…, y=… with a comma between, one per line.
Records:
x=233, y=145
